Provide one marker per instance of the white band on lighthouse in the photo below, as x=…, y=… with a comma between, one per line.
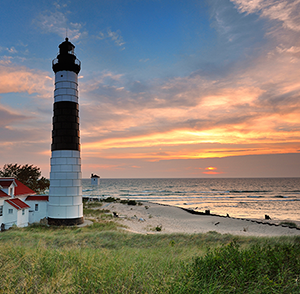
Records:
x=66, y=84
x=65, y=189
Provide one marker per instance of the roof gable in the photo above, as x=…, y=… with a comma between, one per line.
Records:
x=7, y=182
x=17, y=203
x=94, y=176
x=22, y=190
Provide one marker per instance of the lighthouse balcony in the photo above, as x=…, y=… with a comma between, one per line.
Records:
x=72, y=64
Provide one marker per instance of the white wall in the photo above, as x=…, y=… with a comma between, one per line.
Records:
x=95, y=181
x=22, y=220
x=36, y=216
x=9, y=219
x=2, y=217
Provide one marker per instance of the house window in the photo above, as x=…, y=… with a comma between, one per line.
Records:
x=10, y=211
x=1, y=210
x=23, y=211
x=36, y=208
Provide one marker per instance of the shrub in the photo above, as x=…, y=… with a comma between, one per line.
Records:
x=158, y=228
x=110, y=199
x=132, y=202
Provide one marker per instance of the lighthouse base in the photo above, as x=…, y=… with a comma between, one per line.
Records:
x=65, y=221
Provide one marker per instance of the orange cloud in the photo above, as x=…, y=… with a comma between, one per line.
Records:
x=212, y=173
x=235, y=121
x=185, y=143
x=17, y=79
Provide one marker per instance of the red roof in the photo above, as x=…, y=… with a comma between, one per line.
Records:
x=17, y=203
x=38, y=198
x=3, y=194
x=20, y=189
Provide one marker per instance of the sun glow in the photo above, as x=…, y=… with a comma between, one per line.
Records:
x=210, y=168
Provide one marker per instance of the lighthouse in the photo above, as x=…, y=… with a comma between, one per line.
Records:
x=65, y=193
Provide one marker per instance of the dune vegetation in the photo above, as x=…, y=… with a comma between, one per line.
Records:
x=104, y=258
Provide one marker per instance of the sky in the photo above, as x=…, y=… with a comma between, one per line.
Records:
x=167, y=88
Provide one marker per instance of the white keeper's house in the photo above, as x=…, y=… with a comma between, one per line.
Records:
x=19, y=205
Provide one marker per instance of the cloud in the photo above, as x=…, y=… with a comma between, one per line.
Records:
x=9, y=116
x=12, y=50
x=236, y=30
x=195, y=103
x=26, y=123
x=283, y=11
x=254, y=109
x=57, y=23
x=18, y=79
x=116, y=37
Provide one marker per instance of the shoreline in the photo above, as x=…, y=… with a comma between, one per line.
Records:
x=270, y=222
x=149, y=217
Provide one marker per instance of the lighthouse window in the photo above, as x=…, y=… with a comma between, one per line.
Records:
x=36, y=208
x=10, y=211
x=23, y=211
x=1, y=210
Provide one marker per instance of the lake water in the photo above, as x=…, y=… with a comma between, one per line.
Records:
x=243, y=198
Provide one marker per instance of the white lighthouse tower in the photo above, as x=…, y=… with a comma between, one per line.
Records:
x=65, y=194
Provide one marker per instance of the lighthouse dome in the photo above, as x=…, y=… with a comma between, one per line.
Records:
x=66, y=58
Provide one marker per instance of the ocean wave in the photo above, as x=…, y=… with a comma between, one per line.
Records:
x=249, y=191
x=280, y=196
x=254, y=196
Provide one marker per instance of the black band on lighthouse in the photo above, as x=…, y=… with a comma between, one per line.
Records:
x=65, y=134
x=65, y=221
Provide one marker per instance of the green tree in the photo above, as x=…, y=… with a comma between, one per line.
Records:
x=27, y=174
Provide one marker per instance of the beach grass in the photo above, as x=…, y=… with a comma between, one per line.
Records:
x=258, y=269
x=103, y=258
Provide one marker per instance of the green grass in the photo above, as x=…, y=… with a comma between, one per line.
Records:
x=92, y=209
x=101, y=213
x=258, y=269
x=90, y=204
x=102, y=258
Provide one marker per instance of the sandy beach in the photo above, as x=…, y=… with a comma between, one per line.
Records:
x=145, y=218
